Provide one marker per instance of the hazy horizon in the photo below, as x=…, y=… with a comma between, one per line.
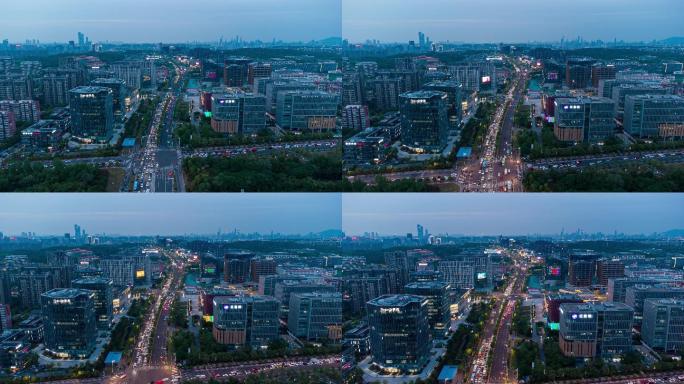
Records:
x=167, y=214
x=170, y=21
x=493, y=21
x=512, y=214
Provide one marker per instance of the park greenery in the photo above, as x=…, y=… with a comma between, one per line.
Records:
x=203, y=349
x=203, y=136
x=295, y=172
x=649, y=177
x=139, y=123
x=475, y=129
x=34, y=177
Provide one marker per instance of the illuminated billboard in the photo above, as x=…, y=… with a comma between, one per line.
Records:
x=140, y=274
x=554, y=271
x=486, y=79
x=481, y=275
x=554, y=326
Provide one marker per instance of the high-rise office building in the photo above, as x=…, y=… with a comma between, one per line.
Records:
x=662, y=327
x=24, y=110
x=654, y=116
x=119, y=93
x=262, y=267
x=609, y=269
x=355, y=117
x=316, y=316
x=236, y=270
x=69, y=322
x=8, y=125
x=120, y=271
x=92, y=112
x=425, y=122
x=367, y=147
x=438, y=304
x=458, y=273
x=103, y=300
x=16, y=88
x=622, y=91
x=553, y=302
x=454, y=92
x=637, y=294
x=238, y=113
x=602, y=72
x=399, y=332
x=584, y=119
x=581, y=268
x=258, y=70
x=595, y=330
x=307, y=111
x=578, y=72
x=361, y=289
x=246, y=320
x=131, y=72
x=33, y=281
x=352, y=93
x=5, y=318
x=466, y=75
x=617, y=287
x=235, y=71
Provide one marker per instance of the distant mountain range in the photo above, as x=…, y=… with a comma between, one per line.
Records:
x=675, y=40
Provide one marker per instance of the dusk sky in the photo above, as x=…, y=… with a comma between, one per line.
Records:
x=511, y=21
x=170, y=20
x=512, y=214
x=146, y=214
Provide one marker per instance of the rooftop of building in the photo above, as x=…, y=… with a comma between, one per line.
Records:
x=427, y=285
x=668, y=302
x=65, y=293
x=108, y=80
x=595, y=307
x=374, y=134
x=311, y=295
x=396, y=300
x=444, y=83
x=563, y=296
x=223, y=300
x=656, y=98
x=423, y=94
x=93, y=280
x=583, y=100
x=89, y=89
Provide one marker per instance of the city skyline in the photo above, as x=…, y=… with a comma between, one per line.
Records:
x=206, y=20
x=514, y=214
x=493, y=21
x=119, y=214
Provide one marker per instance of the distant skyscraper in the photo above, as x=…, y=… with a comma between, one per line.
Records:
x=81, y=39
